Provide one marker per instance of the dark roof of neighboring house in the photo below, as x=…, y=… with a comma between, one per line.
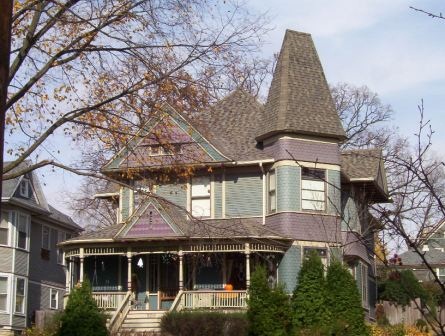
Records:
x=299, y=99
x=61, y=217
x=232, y=124
x=10, y=186
x=433, y=257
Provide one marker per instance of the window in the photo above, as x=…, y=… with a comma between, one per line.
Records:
x=53, y=298
x=441, y=273
x=313, y=189
x=24, y=188
x=167, y=149
x=61, y=236
x=322, y=252
x=272, y=189
x=20, y=295
x=22, y=231
x=364, y=283
x=200, y=197
x=3, y=293
x=4, y=228
x=45, y=238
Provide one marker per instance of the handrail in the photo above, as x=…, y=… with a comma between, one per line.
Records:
x=210, y=299
x=120, y=314
x=176, y=301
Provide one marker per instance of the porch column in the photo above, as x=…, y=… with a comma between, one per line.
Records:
x=247, y=252
x=81, y=257
x=67, y=273
x=181, y=270
x=129, y=269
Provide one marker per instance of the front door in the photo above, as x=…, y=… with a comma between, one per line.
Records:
x=138, y=281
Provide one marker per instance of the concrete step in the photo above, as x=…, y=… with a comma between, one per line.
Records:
x=142, y=321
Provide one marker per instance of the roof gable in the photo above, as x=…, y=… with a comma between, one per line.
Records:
x=299, y=99
x=150, y=221
x=166, y=139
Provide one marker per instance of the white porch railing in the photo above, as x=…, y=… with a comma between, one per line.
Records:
x=211, y=299
x=108, y=300
x=119, y=315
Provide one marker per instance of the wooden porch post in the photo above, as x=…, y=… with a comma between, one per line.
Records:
x=81, y=257
x=181, y=270
x=129, y=269
x=67, y=274
x=247, y=252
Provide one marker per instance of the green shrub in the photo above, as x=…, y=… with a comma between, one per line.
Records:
x=309, y=305
x=269, y=312
x=198, y=323
x=344, y=302
x=82, y=316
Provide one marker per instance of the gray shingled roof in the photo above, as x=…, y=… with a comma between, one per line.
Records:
x=9, y=186
x=299, y=99
x=361, y=163
x=215, y=228
x=232, y=124
x=433, y=256
x=61, y=217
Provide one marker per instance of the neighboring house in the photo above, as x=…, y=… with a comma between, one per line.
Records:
x=32, y=272
x=433, y=248
x=269, y=185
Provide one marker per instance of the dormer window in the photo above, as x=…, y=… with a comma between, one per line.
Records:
x=313, y=189
x=161, y=150
x=24, y=188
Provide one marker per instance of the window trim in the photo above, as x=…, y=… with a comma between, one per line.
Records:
x=48, y=248
x=51, y=290
x=59, y=252
x=17, y=278
x=324, y=190
x=24, y=183
x=269, y=191
x=9, y=223
x=17, y=231
x=201, y=197
x=364, y=290
x=8, y=293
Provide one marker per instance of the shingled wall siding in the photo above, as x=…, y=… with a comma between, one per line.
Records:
x=288, y=188
x=244, y=195
x=289, y=267
x=305, y=226
x=125, y=203
x=297, y=149
x=6, y=259
x=334, y=192
x=218, y=196
x=174, y=192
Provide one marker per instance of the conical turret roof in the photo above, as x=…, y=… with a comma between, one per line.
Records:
x=299, y=99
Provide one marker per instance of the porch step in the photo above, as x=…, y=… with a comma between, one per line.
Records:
x=142, y=321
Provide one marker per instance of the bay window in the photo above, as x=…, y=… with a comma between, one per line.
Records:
x=3, y=293
x=22, y=231
x=4, y=228
x=313, y=189
x=20, y=296
x=200, y=197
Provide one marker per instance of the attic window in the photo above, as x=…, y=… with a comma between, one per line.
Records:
x=24, y=188
x=161, y=150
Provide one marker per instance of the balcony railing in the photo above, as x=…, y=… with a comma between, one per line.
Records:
x=108, y=300
x=211, y=299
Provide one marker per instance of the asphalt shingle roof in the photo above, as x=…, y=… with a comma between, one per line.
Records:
x=299, y=99
x=433, y=256
x=361, y=163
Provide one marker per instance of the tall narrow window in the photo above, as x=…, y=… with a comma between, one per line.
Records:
x=3, y=293
x=60, y=238
x=364, y=284
x=24, y=188
x=20, y=295
x=22, y=231
x=313, y=188
x=200, y=196
x=272, y=190
x=45, y=238
x=54, y=298
x=4, y=228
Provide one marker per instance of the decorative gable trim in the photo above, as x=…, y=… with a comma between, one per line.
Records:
x=166, y=112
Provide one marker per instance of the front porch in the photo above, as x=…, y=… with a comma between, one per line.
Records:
x=194, y=276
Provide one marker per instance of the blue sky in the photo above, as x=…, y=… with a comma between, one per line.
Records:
x=397, y=52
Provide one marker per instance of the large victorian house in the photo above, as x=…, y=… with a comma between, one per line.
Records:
x=268, y=184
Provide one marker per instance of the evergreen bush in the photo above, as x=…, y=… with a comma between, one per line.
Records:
x=344, y=302
x=309, y=305
x=269, y=312
x=82, y=316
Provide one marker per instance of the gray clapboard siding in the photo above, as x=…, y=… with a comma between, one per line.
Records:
x=21, y=262
x=288, y=188
x=34, y=297
x=18, y=321
x=4, y=319
x=6, y=259
x=174, y=192
x=334, y=192
x=244, y=195
x=289, y=267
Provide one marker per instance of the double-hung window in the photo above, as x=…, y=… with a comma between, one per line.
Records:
x=364, y=284
x=3, y=294
x=46, y=238
x=313, y=189
x=53, y=298
x=20, y=295
x=22, y=231
x=4, y=228
x=60, y=238
x=272, y=191
x=200, y=197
